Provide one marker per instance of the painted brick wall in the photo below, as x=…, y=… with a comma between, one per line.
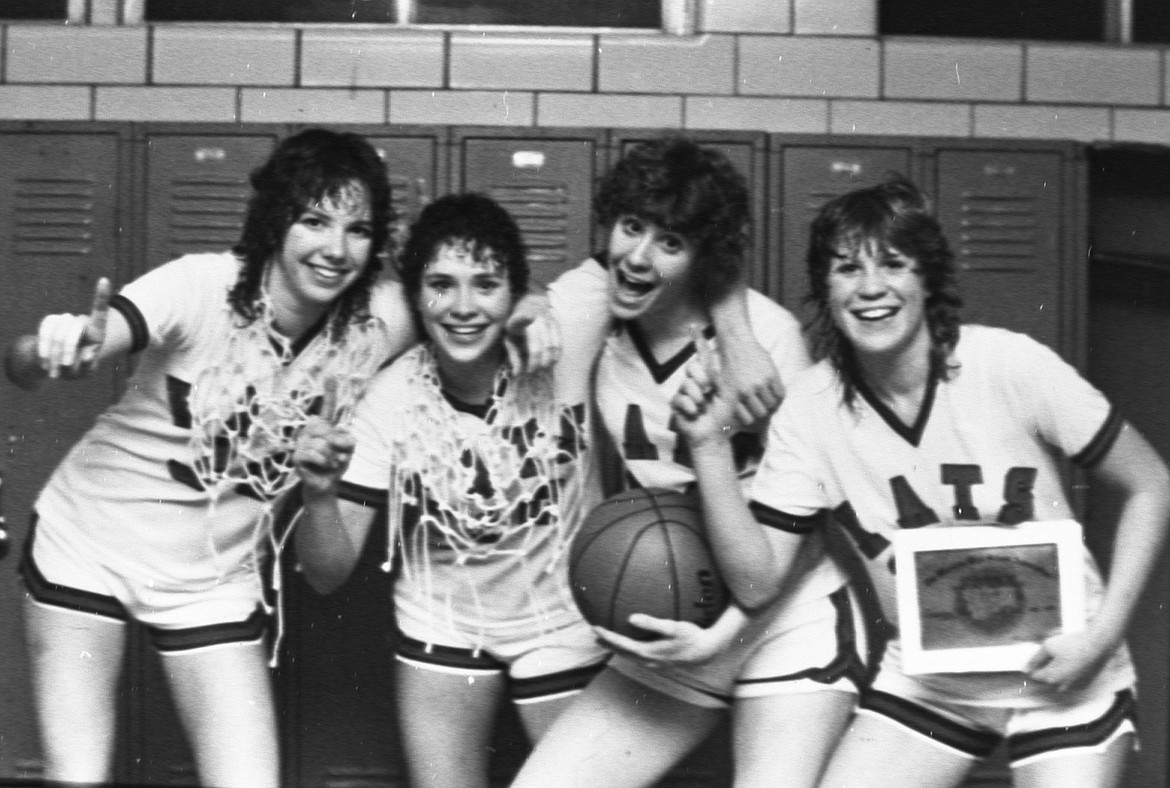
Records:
x=774, y=65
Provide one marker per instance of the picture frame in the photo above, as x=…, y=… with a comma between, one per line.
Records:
x=982, y=598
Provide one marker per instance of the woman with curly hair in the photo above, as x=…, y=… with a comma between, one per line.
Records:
x=783, y=662
x=912, y=422
x=162, y=513
x=482, y=475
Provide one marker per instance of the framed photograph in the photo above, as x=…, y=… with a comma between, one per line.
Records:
x=982, y=598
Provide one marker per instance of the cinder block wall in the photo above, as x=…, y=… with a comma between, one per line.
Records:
x=774, y=65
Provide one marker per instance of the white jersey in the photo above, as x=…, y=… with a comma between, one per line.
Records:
x=633, y=392
x=986, y=448
x=482, y=501
x=174, y=477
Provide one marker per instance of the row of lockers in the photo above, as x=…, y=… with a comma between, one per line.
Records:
x=87, y=200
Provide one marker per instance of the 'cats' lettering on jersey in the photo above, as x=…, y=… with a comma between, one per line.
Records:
x=914, y=513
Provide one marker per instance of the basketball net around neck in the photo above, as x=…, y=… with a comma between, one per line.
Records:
x=248, y=407
x=493, y=489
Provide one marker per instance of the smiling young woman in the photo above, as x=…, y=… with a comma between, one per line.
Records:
x=483, y=474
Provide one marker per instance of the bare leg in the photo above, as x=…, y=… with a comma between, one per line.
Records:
x=876, y=753
x=224, y=698
x=446, y=725
x=76, y=660
x=1077, y=768
x=617, y=734
x=786, y=740
x=539, y=717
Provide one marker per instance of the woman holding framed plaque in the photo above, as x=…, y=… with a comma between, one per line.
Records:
x=911, y=426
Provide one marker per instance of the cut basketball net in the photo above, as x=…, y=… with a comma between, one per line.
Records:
x=480, y=489
x=248, y=408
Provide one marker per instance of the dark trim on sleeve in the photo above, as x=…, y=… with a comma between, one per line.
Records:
x=359, y=494
x=1102, y=442
x=139, y=332
x=774, y=518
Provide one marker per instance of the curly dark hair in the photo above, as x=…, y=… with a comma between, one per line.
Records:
x=896, y=214
x=473, y=219
x=689, y=189
x=304, y=169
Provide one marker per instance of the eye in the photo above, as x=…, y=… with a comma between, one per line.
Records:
x=631, y=225
x=844, y=266
x=362, y=230
x=671, y=243
x=311, y=220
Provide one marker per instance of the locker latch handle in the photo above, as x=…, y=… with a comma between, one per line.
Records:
x=850, y=167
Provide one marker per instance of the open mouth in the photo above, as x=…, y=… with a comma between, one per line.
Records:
x=327, y=273
x=875, y=314
x=633, y=287
x=464, y=332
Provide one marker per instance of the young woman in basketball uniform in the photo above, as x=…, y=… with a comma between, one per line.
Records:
x=913, y=421
x=784, y=664
x=162, y=512
x=483, y=474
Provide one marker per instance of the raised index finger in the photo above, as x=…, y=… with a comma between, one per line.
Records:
x=99, y=313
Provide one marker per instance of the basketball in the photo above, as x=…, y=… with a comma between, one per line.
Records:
x=645, y=551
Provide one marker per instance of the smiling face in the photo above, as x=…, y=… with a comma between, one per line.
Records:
x=464, y=302
x=877, y=299
x=650, y=269
x=324, y=251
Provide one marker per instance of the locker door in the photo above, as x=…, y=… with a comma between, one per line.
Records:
x=1001, y=211
x=197, y=190
x=747, y=153
x=59, y=210
x=546, y=183
x=413, y=166
x=805, y=178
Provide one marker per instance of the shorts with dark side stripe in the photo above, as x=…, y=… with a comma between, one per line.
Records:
x=537, y=668
x=176, y=621
x=815, y=646
x=1091, y=724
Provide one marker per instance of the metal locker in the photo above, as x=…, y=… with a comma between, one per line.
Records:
x=60, y=209
x=413, y=166
x=545, y=181
x=196, y=189
x=747, y=152
x=1001, y=212
x=805, y=177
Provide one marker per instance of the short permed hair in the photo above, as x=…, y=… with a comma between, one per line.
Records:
x=688, y=189
x=473, y=219
x=305, y=169
x=896, y=215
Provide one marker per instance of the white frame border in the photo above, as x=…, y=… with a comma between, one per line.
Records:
x=1065, y=535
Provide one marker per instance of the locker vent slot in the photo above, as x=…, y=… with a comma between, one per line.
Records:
x=541, y=211
x=54, y=216
x=205, y=213
x=997, y=232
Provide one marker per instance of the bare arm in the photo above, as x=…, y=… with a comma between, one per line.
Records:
x=1070, y=661
x=748, y=369
x=67, y=345
x=753, y=560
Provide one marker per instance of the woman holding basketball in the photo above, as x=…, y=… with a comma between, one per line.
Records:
x=482, y=473
x=677, y=216
x=910, y=421
x=162, y=512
